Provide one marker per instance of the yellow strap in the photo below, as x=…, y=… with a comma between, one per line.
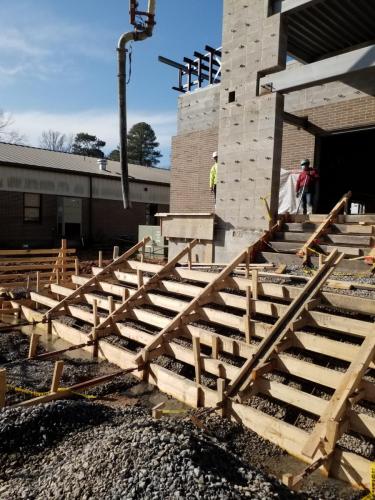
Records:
x=38, y=394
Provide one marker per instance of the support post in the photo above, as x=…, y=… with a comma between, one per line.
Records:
x=34, y=340
x=57, y=373
x=221, y=383
x=111, y=304
x=197, y=359
x=139, y=278
x=215, y=347
x=248, y=326
x=63, y=259
x=255, y=283
x=100, y=259
x=116, y=252
x=76, y=266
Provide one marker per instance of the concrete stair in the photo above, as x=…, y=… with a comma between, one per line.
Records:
x=353, y=235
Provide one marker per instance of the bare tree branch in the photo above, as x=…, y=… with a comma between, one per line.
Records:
x=56, y=141
x=8, y=135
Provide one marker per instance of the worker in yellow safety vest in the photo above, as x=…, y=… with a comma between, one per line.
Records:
x=213, y=175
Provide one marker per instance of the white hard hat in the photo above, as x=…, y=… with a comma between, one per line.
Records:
x=214, y=155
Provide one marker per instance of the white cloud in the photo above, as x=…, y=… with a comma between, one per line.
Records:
x=103, y=124
x=41, y=50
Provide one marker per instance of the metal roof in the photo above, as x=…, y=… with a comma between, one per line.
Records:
x=327, y=27
x=41, y=158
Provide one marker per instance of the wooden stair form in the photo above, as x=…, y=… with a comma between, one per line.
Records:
x=218, y=327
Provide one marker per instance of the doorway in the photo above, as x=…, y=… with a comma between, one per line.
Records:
x=347, y=163
x=69, y=212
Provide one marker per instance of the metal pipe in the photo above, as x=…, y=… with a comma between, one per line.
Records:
x=135, y=35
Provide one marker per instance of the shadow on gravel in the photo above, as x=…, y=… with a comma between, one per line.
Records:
x=35, y=428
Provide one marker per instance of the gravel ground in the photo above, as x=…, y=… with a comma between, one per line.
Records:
x=79, y=450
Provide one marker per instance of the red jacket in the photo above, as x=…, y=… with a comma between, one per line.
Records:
x=310, y=176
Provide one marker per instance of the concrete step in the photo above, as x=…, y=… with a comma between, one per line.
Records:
x=294, y=246
x=350, y=266
x=337, y=239
x=341, y=219
x=310, y=227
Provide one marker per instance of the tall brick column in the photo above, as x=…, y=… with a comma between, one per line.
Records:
x=250, y=126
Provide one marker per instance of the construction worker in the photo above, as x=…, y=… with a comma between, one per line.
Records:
x=306, y=186
x=213, y=175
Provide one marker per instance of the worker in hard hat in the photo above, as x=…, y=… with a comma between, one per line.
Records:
x=306, y=186
x=213, y=174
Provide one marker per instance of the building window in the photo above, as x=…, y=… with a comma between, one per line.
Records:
x=31, y=207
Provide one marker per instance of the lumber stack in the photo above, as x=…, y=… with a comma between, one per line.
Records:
x=32, y=268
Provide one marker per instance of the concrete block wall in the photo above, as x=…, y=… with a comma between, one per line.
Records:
x=198, y=110
x=250, y=128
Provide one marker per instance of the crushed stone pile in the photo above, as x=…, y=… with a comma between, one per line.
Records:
x=78, y=450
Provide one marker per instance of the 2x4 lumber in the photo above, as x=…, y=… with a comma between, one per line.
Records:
x=193, y=305
x=57, y=373
x=338, y=403
x=346, y=466
x=318, y=73
x=290, y=246
x=78, y=291
x=339, y=229
x=337, y=239
x=36, y=252
x=124, y=308
x=34, y=340
x=284, y=435
x=282, y=327
x=32, y=267
x=28, y=260
x=331, y=217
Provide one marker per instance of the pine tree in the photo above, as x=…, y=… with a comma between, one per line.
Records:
x=142, y=145
x=88, y=145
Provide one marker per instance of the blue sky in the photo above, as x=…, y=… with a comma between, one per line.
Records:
x=58, y=67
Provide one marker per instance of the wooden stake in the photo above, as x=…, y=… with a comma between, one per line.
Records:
x=95, y=318
x=57, y=372
x=221, y=394
x=63, y=260
x=37, y=286
x=34, y=340
x=247, y=265
x=28, y=283
x=111, y=304
x=3, y=387
x=125, y=294
x=320, y=260
x=100, y=259
x=157, y=411
x=255, y=283
x=215, y=347
x=248, y=326
x=140, y=278
x=197, y=359
x=116, y=252
x=76, y=266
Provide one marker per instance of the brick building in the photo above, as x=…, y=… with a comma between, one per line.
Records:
x=46, y=195
x=268, y=113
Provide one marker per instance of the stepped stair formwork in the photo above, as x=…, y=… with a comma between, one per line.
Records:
x=271, y=355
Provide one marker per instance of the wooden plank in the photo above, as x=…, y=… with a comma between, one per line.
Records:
x=282, y=327
x=337, y=228
x=192, y=306
x=197, y=359
x=347, y=466
x=337, y=405
x=57, y=373
x=32, y=267
x=325, y=224
x=36, y=252
x=337, y=239
x=93, y=280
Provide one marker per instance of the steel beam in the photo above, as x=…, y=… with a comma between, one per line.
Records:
x=291, y=6
x=320, y=72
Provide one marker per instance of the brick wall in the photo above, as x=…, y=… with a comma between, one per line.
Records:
x=298, y=144
x=191, y=164
x=15, y=232
x=109, y=221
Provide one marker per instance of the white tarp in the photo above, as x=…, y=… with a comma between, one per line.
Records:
x=288, y=202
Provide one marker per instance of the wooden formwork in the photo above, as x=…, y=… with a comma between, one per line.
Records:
x=36, y=267
x=237, y=338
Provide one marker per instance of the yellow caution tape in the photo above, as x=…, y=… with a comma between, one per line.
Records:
x=371, y=495
x=37, y=394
